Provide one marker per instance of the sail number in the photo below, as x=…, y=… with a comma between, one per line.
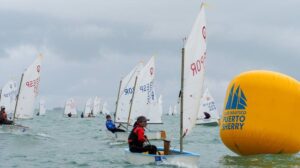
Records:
x=198, y=65
x=128, y=91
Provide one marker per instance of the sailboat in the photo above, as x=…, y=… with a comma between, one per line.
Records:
x=136, y=97
x=144, y=101
x=104, y=110
x=208, y=114
x=88, y=108
x=28, y=91
x=192, y=77
x=70, y=108
x=174, y=113
x=96, y=106
x=170, y=111
x=42, y=108
x=8, y=96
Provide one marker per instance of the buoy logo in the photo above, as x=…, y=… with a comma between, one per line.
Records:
x=236, y=99
x=235, y=112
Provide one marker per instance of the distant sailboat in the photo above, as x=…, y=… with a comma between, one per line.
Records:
x=208, y=114
x=70, y=108
x=192, y=77
x=88, y=108
x=96, y=106
x=104, y=109
x=42, y=108
x=174, y=110
x=8, y=98
x=170, y=111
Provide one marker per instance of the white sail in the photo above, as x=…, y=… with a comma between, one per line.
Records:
x=88, y=108
x=208, y=110
x=145, y=102
x=155, y=112
x=194, y=61
x=8, y=98
x=70, y=107
x=42, y=108
x=29, y=89
x=175, y=110
x=104, y=109
x=96, y=106
x=170, y=110
x=125, y=96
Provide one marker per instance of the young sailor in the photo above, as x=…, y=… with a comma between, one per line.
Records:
x=111, y=126
x=3, y=117
x=137, y=137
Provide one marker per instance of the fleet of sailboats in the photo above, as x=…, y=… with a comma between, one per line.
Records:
x=192, y=77
x=136, y=97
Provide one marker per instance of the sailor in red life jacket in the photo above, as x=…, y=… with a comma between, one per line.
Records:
x=137, y=137
x=3, y=117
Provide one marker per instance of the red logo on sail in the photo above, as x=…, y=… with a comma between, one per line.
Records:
x=204, y=32
x=151, y=70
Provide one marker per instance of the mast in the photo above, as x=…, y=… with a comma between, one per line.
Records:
x=181, y=101
x=117, y=102
x=131, y=102
x=18, y=97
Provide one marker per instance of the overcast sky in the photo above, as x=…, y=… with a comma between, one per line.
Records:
x=88, y=46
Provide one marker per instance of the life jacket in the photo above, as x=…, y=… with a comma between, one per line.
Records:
x=3, y=116
x=133, y=139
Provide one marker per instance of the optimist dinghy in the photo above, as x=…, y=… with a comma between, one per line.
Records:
x=192, y=78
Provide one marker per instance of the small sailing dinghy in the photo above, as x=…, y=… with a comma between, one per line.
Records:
x=70, y=108
x=96, y=106
x=42, y=108
x=208, y=114
x=88, y=108
x=28, y=91
x=139, y=101
x=192, y=77
x=8, y=98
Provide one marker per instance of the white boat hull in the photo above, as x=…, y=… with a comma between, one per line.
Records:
x=185, y=159
x=208, y=122
x=123, y=136
x=13, y=128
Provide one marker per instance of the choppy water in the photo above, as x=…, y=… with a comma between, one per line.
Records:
x=56, y=141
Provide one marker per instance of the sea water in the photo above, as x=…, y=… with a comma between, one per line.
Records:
x=56, y=141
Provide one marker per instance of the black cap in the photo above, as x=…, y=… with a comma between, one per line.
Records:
x=141, y=119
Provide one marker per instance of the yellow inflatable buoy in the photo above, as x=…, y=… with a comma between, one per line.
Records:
x=262, y=114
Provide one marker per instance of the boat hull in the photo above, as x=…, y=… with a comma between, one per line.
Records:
x=123, y=136
x=185, y=159
x=13, y=128
x=207, y=122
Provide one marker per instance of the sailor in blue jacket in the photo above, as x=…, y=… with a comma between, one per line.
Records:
x=111, y=126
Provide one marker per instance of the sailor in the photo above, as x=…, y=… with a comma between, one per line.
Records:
x=137, y=138
x=3, y=117
x=111, y=126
